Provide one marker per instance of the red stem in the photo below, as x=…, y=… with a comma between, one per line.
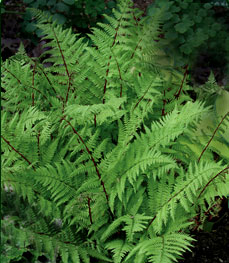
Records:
x=212, y=136
x=89, y=208
x=182, y=83
x=18, y=152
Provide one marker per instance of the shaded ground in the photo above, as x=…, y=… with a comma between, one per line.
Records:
x=213, y=246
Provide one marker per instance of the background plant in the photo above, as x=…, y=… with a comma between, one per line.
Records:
x=77, y=14
x=191, y=26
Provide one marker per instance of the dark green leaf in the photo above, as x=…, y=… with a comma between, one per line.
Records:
x=216, y=26
x=62, y=7
x=94, y=13
x=69, y=2
x=196, y=43
x=42, y=2
x=186, y=49
x=28, y=1
x=181, y=27
x=39, y=32
x=175, y=9
x=35, y=5
x=171, y=35
x=59, y=18
x=168, y=16
x=111, y=4
x=51, y=2
x=27, y=15
x=184, y=5
x=190, y=32
x=198, y=19
x=212, y=33
x=207, y=6
x=30, y=27
x=175, y=18
x=100, y=6
x=202, y=13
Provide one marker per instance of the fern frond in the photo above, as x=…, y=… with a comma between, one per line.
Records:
x=119, y=248
x=163, y=249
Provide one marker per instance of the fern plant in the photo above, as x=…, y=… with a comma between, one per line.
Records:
x=94, y=168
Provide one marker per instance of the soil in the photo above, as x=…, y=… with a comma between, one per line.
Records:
x=211, y=247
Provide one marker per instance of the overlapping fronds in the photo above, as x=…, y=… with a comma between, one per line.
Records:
x=99, y=160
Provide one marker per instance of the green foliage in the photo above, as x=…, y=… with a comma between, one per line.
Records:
x=93, y=147
x=192, y=25
x=218, y=97
x=79, y=14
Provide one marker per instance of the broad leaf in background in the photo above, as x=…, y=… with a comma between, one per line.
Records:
x=222, y=108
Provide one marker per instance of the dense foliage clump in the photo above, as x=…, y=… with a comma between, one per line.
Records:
x=105, y=157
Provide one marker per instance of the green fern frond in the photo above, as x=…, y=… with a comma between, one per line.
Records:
x=119, y=248
x=103, y=155
x=164, y=248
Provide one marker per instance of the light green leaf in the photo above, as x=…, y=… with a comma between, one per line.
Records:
x=221, y=108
